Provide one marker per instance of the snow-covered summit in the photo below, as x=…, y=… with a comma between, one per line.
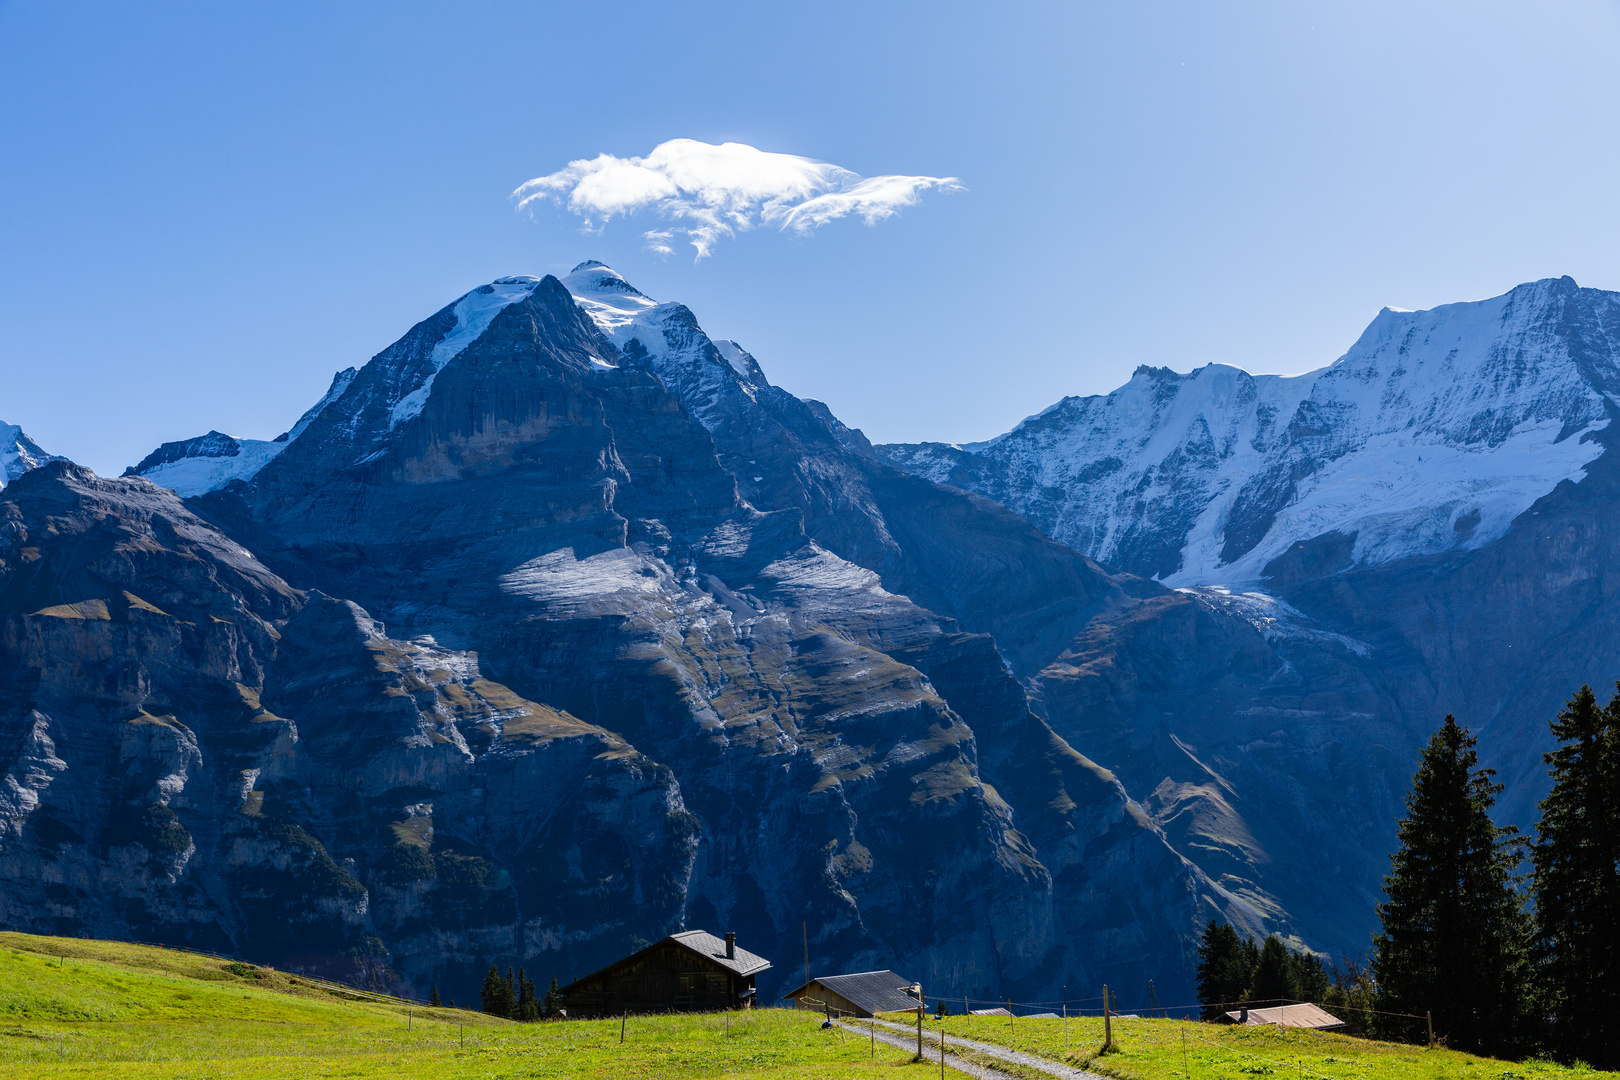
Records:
x=210, y=462
x=667, y=338
x=1434, y=431
x=19, y=453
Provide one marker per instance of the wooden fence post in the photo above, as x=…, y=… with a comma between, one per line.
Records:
x=1108, y=1022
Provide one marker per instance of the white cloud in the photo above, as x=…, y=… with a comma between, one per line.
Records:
x=711, y=192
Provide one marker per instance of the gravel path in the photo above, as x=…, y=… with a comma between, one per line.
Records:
x=1017, y=1057
x=930, y=1053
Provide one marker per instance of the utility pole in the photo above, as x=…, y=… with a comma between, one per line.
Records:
x=807, y=954
x=1108, y=1022
x=919, y=1056
x=1429, y=1016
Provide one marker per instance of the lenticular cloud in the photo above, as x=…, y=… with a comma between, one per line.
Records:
x=709, y=192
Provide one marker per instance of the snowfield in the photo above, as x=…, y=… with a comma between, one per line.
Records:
x=1433, y=432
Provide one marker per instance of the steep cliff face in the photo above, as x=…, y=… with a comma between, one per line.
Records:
x=195, y=752
x=1419, y=528
x=664, y=646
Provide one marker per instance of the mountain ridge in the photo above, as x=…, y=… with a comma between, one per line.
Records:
x=1434, y=431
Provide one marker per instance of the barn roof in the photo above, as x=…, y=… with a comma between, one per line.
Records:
x=702, y=943
x=1300, y=1016
x=873, y=991
x=707, y=945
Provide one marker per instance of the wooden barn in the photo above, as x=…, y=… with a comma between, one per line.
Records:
x=863, y=994
x=692, y=971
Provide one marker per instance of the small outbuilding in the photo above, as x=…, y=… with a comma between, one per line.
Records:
x=692, y=971
x=862, y=994
x=1296, y=1016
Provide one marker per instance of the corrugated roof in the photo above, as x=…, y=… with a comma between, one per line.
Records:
x=706, y=944
x=873, y=991
x=1300, y=1016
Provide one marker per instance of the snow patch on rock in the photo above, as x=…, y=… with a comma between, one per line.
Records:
x=474, y=312
x=19, y=453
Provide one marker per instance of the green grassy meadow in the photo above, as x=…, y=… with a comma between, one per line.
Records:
x=1155, y=1050
x=74, y=1008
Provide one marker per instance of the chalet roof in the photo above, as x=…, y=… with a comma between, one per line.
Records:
x=707, y=945
x=873, y=991
x=702, y=943
x=1300, y=1016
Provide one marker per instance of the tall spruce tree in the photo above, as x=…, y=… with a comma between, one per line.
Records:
x=434, y=1000
x=1224, y=969
x=553, y=1001
x=497, y=996
x=1308, y=976
x=1273, y=976
x=1576, y=883
x=1453, y=933
x=528, y=1009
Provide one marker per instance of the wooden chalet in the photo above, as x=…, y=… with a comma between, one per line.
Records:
x=692, y=971
x=862, y=994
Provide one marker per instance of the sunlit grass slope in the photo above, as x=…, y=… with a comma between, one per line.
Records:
x=94, y=1008
x=1186, y=1050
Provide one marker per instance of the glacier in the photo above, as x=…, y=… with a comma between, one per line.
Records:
x=1433, y=432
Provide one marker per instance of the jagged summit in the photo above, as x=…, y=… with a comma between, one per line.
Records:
x=19, y=453
x=1433, y=432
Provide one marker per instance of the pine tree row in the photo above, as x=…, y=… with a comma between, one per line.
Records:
x=1505, y=962
x=513, y=996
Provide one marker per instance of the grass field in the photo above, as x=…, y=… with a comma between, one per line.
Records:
x=1186, y=1050
x=74, y=1008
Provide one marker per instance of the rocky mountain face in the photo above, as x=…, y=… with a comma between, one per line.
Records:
x=19, y=453
x=1422, y=527
x=556, y=627
x=553, y=629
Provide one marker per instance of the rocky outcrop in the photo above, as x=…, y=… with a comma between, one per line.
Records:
x=198, y=753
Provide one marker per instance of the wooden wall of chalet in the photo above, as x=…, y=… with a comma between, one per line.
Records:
x=667, y=978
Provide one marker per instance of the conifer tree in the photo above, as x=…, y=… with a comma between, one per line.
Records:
x=1273, y=982
x=553, y=1000
x=1308, y=976
x=1224, y=969
x=1576, y=883
x=527, y=1008
x=434, y=1000
x=497, y=996
x=1453, y=930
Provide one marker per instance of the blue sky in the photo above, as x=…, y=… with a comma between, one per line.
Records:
x=207, y=209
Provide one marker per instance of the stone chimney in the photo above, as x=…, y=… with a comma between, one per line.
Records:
x=731, y=945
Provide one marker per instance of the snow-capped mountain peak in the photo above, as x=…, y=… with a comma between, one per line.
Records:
x=474, y=312
x=667, y=338
x=19, y=453
x=1433, y=432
